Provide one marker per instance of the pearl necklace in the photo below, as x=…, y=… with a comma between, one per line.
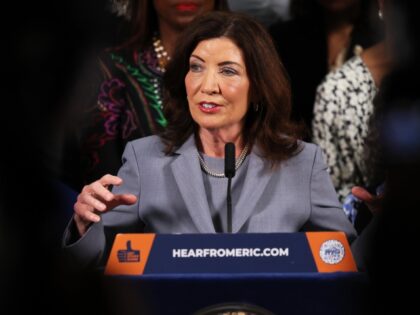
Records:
x=161, y=54
x=238, y=163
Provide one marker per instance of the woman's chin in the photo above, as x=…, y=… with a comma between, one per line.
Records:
x=210, y=126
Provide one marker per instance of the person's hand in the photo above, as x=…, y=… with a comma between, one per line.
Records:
x=373, y=202
x=95, y=198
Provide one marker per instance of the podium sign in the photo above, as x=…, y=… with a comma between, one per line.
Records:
x=142, y=254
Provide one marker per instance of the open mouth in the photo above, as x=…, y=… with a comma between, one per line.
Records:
x=209, y=107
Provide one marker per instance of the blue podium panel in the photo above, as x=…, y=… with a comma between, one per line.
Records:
x=166, y=259
x=145, y=254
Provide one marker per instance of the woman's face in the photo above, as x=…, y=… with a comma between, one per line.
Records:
x=179, y=13
x=217, y=85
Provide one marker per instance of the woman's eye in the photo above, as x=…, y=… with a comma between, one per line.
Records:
x=228, y=71
x=195, y=67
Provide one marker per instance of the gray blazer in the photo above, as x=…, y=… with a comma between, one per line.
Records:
x=298, y=196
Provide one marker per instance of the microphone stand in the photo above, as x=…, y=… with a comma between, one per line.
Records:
x=229, y=206
x=229, y=173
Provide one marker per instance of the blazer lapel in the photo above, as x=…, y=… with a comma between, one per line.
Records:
x=187, y=173
x=256, y=180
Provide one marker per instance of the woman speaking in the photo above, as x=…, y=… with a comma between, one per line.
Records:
x=224, y=84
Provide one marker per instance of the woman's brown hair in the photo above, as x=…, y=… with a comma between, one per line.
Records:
x=269, y=127
x=144, y=22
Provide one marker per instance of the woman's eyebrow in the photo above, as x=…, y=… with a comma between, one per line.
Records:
x=195, y=56
x=225, y=63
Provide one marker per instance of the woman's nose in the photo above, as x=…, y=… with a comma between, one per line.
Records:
x=210, y=84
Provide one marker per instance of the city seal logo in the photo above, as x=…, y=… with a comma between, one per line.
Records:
x=332, y=252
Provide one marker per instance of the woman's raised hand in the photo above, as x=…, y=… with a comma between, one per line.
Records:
x=95, y=199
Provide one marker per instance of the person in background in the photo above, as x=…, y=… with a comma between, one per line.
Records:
x=120, y=95
x=218, y=91
x=343, y=107
x=393, y=162
x=320, y=37
x=267, y=12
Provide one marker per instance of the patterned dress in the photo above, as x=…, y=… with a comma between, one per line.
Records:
x=126, y=104
x=343, y=106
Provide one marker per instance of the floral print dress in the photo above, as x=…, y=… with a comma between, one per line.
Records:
x=343, y=106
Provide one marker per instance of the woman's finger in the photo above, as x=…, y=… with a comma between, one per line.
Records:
x=100, y=192
x=93, y=201
x=90, y=216
x=85, y=212
x=125, y=199
x=108, y=179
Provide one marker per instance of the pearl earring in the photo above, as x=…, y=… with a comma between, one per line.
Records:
x=381, y=15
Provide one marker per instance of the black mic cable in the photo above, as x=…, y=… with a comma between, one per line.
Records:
x=229, y=173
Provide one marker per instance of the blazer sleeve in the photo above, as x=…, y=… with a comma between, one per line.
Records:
x=93, y=248
x=326, y=211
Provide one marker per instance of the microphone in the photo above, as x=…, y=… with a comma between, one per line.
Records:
x=229, y=173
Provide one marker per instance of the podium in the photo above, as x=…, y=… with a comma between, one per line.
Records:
x=283, y=273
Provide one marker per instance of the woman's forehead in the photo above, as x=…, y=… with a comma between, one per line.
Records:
x=218, y=48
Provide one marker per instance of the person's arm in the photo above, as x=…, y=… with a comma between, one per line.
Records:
x=99, y=214
x=326, y=212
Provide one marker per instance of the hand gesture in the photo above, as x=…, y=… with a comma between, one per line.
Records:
x=95, y=199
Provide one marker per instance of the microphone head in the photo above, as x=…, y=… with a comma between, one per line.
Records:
x=229, y=160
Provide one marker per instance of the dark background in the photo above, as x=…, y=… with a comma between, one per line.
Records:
x=45, y=44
